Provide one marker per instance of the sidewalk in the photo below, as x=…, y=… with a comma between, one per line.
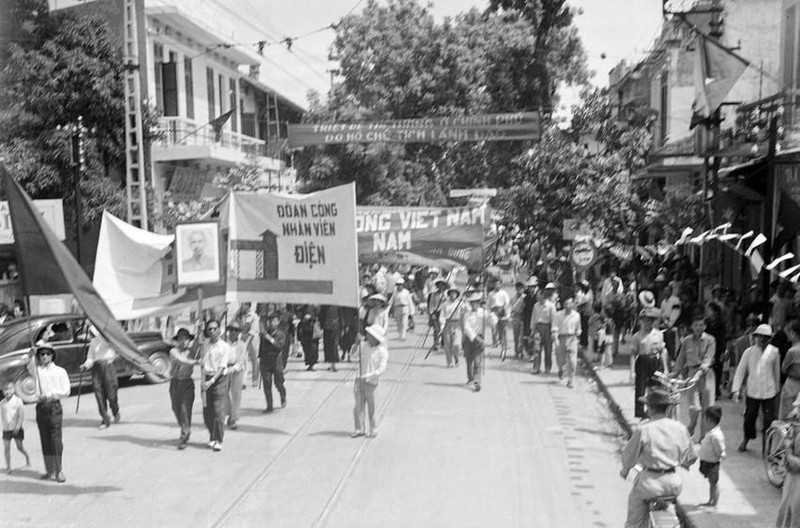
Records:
x=747, y=499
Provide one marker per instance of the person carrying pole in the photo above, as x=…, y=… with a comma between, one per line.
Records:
x=474, y=321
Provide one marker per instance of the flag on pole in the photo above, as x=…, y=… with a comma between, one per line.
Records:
x=757, y=241
x=48, y=268
x=716, y=71
x=218, y=122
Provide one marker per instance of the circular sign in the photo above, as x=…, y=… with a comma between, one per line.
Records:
x=583, y=254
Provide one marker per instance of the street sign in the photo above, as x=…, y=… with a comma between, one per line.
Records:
x=583, y=254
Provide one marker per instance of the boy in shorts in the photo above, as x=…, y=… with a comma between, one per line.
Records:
x=711, y=453
x=13, y=416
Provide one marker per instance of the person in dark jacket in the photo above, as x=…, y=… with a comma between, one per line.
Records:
x=329, y=319
x=270, y=360
x=309, y=340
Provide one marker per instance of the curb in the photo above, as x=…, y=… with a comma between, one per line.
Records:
x=686, y=521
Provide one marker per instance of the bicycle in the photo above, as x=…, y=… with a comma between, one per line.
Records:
x=777, y=442
x=676, y=387
x=662, y=512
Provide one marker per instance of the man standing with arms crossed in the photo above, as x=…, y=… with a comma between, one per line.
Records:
x=52, y=384
x=100, y=358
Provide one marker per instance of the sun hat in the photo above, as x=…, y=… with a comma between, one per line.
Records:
x=647, y=299
x=399, y=281
x=377, y=297
x=533, y=280
x=764, y=330
x=550, y=286
x=377, y=332
x=182, y=332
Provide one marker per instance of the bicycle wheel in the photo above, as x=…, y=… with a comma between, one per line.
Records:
x=775, y=456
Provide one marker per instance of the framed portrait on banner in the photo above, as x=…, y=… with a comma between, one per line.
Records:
x=197, y=253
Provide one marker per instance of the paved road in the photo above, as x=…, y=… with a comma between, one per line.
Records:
x=525, y=451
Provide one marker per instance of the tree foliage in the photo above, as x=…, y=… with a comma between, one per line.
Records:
x=397, y=62
x=59, y=68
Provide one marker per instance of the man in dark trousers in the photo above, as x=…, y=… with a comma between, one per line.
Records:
x=269, y=358
x=52, y=384
x=100, y=359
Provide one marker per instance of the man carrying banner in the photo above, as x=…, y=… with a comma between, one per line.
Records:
x=100, y=358
x=476, y=321
x=273, y=339
x=52, y=384
x=450, y=316
x=217, y=355
x=402, y=306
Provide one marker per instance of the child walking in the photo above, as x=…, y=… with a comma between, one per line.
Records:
x=13, y=417
x=712, y=451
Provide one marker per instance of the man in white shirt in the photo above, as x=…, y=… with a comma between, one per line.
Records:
x=52, y=384
x=475, y=323
x=372, y=363
x=100, y=358
x=567, y=326
x=217, y=355
x=402, y=304
x=251, y=328
x=500, y=305
x=236, y=373
x=761, y=364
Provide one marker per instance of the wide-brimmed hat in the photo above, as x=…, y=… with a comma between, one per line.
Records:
x=474, y=295
x=651, y=313
x=533, y=280
x=647, y=299
x=41, y=347
x=549, y=286
x=377, y=297
x=764, y=330
x=378, y=332
x=443, y=282
x=182, y=332
x=453, y=289
x=399, y=281
x=656, y=396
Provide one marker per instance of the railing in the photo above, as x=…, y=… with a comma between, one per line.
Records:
x=752, y=122
x=182, y=131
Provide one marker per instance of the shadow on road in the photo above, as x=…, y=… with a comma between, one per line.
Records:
x=31, y=484
x=333, y=434
x=144, y=442
x=457, y=385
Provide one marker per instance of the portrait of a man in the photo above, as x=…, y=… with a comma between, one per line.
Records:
x=197, y=253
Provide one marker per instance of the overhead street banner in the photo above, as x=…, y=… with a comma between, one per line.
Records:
x=298, y=249
x=491, y=127
x=421, y=235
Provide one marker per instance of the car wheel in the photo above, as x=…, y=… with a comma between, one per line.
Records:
x=25, y=387
x=162, y=363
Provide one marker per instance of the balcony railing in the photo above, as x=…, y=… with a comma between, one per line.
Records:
x=181, y=131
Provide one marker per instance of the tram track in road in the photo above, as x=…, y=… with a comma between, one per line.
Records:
x=302, y=432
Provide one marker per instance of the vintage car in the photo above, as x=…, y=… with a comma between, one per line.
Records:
x=68, y=335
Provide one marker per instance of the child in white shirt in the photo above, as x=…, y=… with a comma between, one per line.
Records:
x=13, y=417
x=711, y=453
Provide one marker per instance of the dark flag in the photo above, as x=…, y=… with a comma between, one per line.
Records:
x=218, y=122
x=48, y=268
x=716, y=71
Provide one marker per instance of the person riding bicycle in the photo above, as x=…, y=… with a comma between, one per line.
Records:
x=660, y=445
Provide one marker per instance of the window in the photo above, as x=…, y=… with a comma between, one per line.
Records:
x=158, y=60
x=234, y=122
x=212, y=107
x=189, y=83
x=222, y=101
x=664, y=107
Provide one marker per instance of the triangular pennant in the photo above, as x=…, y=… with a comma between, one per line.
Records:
x=789, y=271
x=743, y=238
x=756, y=261
x=716, y=71
x=774, y=264
x=757, y=241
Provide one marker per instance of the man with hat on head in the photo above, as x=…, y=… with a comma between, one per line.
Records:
x=450, y=315
x=430, y=284
x=435, y=299
x=531, y=293
x=52, y=384
x=517, y=310
x=649, y=355
x=236, y=372
x=402, y=306
x=660, y=445
x=761, y=365
x=181, y=386
x=476, y=321
x=542, y=318
x=694, y=362
x=376, y=311
x=372, y=363
x=100, y=358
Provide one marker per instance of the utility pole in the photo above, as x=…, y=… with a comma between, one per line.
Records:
x=78, y=163
x=770, y=205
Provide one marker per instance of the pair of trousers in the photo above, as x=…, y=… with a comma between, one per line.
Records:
x=268, y=374
x=517, y=329
x=567, y=355
x=647, y=486
x=473, y=357
x=452, y=339
x=751, y=408
x=545, y=331
x=365, y=402
x=49, y=417
x=436, y=325
x=233, y=402
x=699, y=398
x=401, y=318
x=214, y=410
x=181, y=394
x=252, y=358
x=104, y=383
